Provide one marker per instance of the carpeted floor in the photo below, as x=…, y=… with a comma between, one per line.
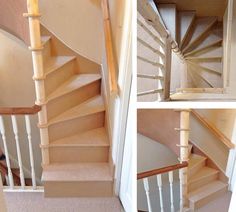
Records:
x=220, y=204
x=35, y=202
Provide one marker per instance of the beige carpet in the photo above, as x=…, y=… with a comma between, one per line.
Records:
x=220, y=204
x=35, y=202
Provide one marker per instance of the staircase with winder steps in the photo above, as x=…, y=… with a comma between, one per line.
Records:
x=204, y=183
x=200, y=42
x=79, y=162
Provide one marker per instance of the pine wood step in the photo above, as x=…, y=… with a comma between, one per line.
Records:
x=54, y=63
x=93, y=105
x=196, y=162
x=185, y=22
x=206, y=193
x=214, y=38
x=89, y=146
x=204, y=176
x=75, y=82
x=78, y=180
x=202, y=25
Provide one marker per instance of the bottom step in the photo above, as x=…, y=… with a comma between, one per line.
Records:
x=205, y=194
x=78, y=180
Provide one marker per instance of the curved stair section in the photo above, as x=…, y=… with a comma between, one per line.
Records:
x=200, y=42
x=78, y=146
x=204, y=182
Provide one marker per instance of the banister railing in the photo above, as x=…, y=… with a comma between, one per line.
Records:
x=150, y=22
x=20, y=110
x=214, y=130
x=9, y=114
x=158, y=173
x=161, y=170
x=110, y=59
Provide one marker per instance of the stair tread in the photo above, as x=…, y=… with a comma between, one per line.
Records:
x=214, y=37
x=210, y=52
x=56, y=62
x=205, y=171
x=206, y=67
x=195, y=159
x=75, y=82
x=168, y=14
x=201, y=97
x=206, y=190
x=93, y=105
x=58, y=172
x=95, y=137
x=185, y=20
x=202, y=24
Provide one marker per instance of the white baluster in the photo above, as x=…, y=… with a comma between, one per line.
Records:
x=146, y=187
x=15, y=130
x=28, y=130
x=171, y=179
x=181, y=201
x=10, y=177
x=159, y=183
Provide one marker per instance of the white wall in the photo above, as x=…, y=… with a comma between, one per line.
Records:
x=153, y=155
x=208, y=143
x=17, y=89
x=77, y=23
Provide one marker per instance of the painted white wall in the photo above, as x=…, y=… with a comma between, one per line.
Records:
x=149, y=153
x=208, y=143
x=77, y=23
x=17, y=89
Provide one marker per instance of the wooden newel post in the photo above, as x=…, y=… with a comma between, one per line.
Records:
x=184, y=156
x=36, y=47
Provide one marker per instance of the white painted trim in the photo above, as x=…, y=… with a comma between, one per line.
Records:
x=230, y=169
x=39, y=189
x=14, y=163
x=124, y=83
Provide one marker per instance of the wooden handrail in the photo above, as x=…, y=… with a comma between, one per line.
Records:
x=161, y=170
x=20, y=110
x=213, y=129
x=109, y=47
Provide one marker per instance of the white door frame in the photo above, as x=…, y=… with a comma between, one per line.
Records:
x=124, y=81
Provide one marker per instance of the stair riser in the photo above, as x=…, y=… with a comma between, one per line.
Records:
x=205, y=50
x=56, y=78
x=78, y=189
x=207, y=199
x=202, y=182
x=78, y=154
x=195, y=169
x=46, y=51
x=198, y=40
x=72, y=99
x=71, y=127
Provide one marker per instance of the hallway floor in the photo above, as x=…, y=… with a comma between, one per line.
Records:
x=34, y=201
x=220, y=204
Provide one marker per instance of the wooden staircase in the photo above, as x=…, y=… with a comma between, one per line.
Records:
x=79, y=147
x=200, y=43
x=205, y=183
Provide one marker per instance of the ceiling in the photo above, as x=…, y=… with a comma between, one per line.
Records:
x=202, y=7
